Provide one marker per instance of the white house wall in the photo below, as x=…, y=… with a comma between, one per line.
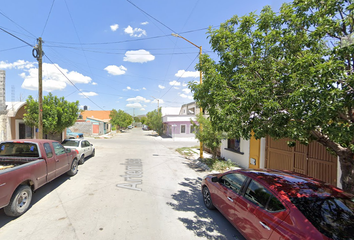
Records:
x=241, y=160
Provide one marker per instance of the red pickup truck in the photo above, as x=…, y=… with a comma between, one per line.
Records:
x=26, y=165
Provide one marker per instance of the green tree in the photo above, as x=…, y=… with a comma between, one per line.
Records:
x=285, y=75
x=136, y=119
x=143, y=120
x=154, y=120
x=120, y=118
x=208, y=136
x=58, y=113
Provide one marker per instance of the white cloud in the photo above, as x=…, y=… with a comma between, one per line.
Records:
x=176, y=87
x=175, y=83
x=138, y=99
x=94, y=83
x=19, y=64
x=186, y=90
x=134, y=32
x=142, y=109
x=129, y=88
x=185, y=96
x=88, y=94
x=134, y=105
x=114, y=27
x=139, y=56
x=161, y=87
x=187, y=74
x=160, y=101
x=115, y=70
x=184, y=84
x=144, y=23
x=144, y=88
x=53, y=79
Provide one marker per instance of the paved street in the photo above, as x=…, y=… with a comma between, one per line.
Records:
x=136, y=187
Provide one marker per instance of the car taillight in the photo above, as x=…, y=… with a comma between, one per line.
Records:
x=77, y=136
x=77, y=151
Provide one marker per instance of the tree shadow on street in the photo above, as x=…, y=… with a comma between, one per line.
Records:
x=210, y=224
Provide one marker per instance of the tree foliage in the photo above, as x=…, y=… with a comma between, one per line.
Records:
x=58, y=113
x=208, y=136
x=120, y=118
x=154, y=120
x=285, y=75
x=143, y=120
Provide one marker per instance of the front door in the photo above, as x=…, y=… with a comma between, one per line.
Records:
x=255, y=149
x=61, y=159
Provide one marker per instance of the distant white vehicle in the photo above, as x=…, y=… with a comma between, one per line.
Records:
x=130, y=127
x=82, y=147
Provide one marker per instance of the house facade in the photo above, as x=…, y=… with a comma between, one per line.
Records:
x=312, y=160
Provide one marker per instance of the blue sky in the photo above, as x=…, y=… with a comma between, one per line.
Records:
x=118, y=54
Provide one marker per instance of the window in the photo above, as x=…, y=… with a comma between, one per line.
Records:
x=58, y=148
x=260, y=196
x=234, y=145
x=192, y=130
x=233, y=181
x=48, y=150
x=183, y=128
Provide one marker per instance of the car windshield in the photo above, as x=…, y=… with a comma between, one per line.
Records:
x=333, y=217
x=70, y=143
x=12, y=149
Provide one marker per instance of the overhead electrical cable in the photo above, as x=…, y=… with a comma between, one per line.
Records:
x=151, y=16
x=124, y=41
x=50, y=11
x=16, y=37
x=180, y=76
x=17, y=24
x=3, y=50
x=83, y=94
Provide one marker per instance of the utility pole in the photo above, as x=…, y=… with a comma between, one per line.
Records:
x=38, y=53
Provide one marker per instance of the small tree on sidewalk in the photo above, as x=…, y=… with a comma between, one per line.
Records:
x=58, y=113
x=154, y=120
x=208, y=136
x=120, y=118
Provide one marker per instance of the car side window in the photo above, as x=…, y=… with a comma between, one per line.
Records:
x=83, y=144
x=48, y=150
x=58, y=148
x=260, y=196
x=233, y=181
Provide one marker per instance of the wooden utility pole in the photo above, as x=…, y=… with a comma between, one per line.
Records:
x=38, y=54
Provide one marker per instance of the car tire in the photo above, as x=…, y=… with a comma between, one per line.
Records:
x=207, y=198
x=93, y=153
x=82, y=159
x=74, y=167
x=19, y=202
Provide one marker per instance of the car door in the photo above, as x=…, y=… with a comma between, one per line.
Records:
x=85, y=148
x=264, y=211
x=229, y=188
x=62, y=162
x=51, y=162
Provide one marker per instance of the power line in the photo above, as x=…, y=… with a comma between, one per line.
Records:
x=56, y=66
x=50, y=11
x=130, y=40
x=13, y=48
x=16, y=23
x=151, y=16
x=181, y=75
x=16, y=37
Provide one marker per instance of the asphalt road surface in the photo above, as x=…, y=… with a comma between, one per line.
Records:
x=136, y=187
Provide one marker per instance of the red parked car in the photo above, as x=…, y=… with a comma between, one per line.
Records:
x=273, y=204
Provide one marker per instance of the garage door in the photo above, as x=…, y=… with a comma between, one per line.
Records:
x=313, y=160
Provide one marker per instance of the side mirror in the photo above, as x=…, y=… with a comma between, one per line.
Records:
x=67, y=150
x=215, y=179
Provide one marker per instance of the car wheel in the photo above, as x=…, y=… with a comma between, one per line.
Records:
x=82, y=159
x=207, y=198
x=74, y=167
x=93, y=153
x=20, y=201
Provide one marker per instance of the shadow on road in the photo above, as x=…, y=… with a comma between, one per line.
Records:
x=37, y=196
x=210, y=224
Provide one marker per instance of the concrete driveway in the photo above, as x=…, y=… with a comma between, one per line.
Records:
x=136, y=187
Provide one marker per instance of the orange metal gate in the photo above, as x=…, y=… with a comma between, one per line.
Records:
x=313, y=160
